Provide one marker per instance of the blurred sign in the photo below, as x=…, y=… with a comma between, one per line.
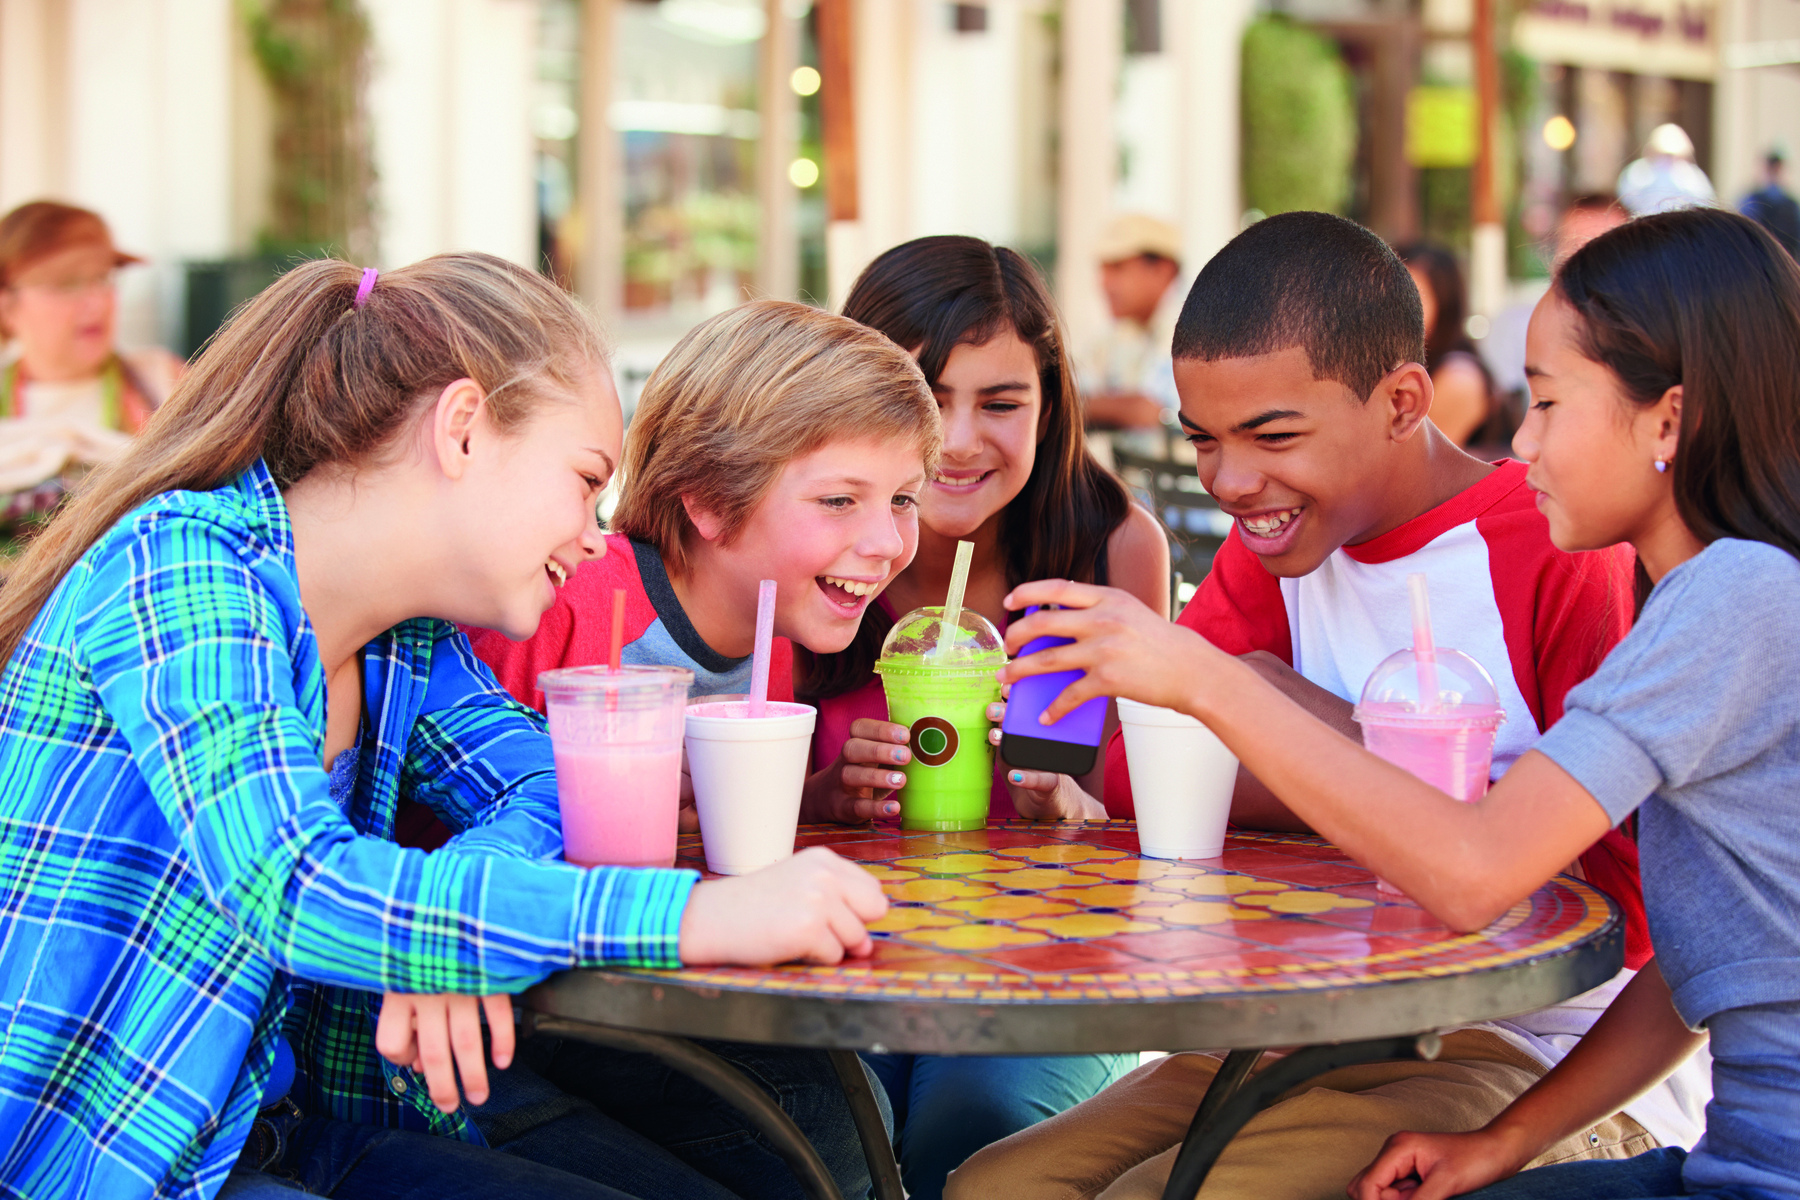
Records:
x=1440, y=126
x=1673, y=38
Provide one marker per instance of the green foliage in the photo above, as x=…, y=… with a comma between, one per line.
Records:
x=314, y=55
x=1299, y=119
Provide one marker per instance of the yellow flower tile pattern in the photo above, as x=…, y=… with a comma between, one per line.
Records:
x=1069, y=912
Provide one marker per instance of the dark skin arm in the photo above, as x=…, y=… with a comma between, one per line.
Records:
x=1253, y=805
x=1634, y=1046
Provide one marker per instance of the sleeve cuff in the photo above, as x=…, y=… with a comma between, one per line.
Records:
x=1613, y=769
x=632, y=917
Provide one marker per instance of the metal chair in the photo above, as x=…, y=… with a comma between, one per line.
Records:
x=1197, y=528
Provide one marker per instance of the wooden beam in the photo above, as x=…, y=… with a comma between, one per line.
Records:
x=1485, y=205
x=837, y=108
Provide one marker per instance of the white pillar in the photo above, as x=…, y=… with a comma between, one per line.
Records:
x=600, y=273
x=449, y=102
x=1092, y=33
x=34, y=100
x=778, y=244
x=883, y=32
x=1206, y=38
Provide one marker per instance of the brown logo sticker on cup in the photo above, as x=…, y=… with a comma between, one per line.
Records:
x=934, y=741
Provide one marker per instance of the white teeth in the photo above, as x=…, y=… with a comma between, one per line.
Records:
x=1269, y=523
x=556, y=569
x=965, y=480
x=853, y=586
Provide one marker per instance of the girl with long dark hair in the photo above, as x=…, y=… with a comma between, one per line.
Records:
x=1464, y=404
x=1015, y=478
x=1665, y=379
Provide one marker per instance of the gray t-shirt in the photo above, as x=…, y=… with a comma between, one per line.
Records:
x=1693, y=721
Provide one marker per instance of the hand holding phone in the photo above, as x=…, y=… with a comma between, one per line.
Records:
x=1068, y=746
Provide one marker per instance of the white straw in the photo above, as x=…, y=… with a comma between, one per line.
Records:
x=953, y=603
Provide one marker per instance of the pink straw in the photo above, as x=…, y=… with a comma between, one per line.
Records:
x=765, y=633
x=618, y=631
x=1424, y=649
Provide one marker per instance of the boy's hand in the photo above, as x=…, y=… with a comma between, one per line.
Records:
x=1434, y=1166
x=859, y=785
x=813, y=907
x=441, y=1035
x=1125, y=649
x=1043, y=795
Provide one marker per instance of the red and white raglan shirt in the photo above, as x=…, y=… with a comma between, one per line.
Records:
x=577, y=632
x=1538, y=619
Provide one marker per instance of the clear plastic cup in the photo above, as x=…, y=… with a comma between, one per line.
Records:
x=617, y=738
x=1182, y=780
x=748, y=774
x=941, y=695
x=1448, y=739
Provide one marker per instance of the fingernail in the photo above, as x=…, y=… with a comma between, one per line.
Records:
x=897, y=780
x=899, y=754
x=1018, y=777
x=890, y=810
x=1045, y=719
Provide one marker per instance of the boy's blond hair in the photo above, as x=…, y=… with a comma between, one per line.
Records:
x=745, y=393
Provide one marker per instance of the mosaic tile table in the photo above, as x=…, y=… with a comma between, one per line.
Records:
x=1047, y=938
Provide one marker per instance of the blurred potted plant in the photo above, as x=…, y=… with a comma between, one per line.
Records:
x=313, y=55
x=1299, y=119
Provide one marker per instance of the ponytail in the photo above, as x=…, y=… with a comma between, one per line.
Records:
x=303, y=377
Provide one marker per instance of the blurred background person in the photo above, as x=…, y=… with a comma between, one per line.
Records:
x=1464, y=404
x=1666, y=177
x=1129, y=380
x=69, y=398
x=1772, y=207
x=1586, y=217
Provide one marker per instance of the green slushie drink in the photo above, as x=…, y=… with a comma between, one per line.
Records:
x=939, y=688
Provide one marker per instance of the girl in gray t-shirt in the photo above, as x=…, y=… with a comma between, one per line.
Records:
x=1665, y=379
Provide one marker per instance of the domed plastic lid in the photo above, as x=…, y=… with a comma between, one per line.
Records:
x=915, y=636
x=1453, y=686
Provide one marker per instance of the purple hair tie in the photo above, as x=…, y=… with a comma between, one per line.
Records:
x=365, y=287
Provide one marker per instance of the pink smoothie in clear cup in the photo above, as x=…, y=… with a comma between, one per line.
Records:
x=617, y=739
x=1446, y=739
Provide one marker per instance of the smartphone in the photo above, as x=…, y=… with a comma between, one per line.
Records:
x=1070, y=745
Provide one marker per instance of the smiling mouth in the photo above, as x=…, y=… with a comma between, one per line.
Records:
x=558, y=576
x=1271, y=524
x=961, y=482
x=848, y=594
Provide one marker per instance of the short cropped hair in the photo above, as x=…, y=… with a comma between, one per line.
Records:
x=745, y=393
x=1312, y=280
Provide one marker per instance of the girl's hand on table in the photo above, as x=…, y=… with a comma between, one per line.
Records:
x=440, y=1036
x=1434, y=1166
x=1124, y=648
x=858, y=786
x=813, y=907
x=1043, y=795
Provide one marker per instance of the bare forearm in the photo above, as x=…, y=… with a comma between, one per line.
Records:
x=1634, y=1046
x=1452, y=858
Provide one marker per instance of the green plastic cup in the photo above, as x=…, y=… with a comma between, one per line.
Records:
x=941, y=695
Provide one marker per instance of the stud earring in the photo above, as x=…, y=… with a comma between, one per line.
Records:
x=1661, y=466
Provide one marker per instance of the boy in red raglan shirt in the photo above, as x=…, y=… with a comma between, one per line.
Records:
x=1297, y=358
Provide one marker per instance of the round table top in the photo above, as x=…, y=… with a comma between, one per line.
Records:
x=1038, y=938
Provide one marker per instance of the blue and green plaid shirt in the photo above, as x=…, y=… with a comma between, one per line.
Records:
x=176, y=883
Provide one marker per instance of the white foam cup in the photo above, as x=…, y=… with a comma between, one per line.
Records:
x=1182, y=778
x=748, y=773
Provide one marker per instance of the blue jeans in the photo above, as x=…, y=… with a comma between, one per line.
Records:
x=318, y=1156
x=571, y=1121
x=667, y=1109
x=948, y=1108
x=1652, y=1176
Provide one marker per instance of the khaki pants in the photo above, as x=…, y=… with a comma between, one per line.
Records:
x=1121, y=1144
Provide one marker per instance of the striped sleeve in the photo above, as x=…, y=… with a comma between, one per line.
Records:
x=189, y=655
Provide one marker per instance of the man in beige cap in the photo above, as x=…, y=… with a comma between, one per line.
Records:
x=1129, y=380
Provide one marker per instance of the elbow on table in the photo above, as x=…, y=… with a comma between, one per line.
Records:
x=1465, y=905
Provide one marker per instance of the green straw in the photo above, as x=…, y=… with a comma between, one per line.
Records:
x=953, y=603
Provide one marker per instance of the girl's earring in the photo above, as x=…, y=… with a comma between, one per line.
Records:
x=1661, y=466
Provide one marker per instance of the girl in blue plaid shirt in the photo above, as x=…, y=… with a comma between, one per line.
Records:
x=226, y=662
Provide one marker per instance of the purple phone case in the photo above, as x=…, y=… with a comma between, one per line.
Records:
x=1029, y=697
